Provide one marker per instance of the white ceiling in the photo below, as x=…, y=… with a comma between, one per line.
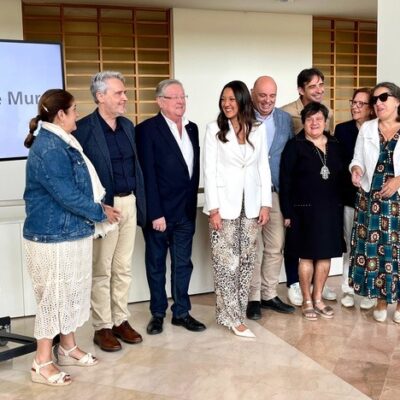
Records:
x=359, y=9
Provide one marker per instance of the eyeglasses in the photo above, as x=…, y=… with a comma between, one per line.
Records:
x=358, y=104
x=382, y=97
x=175, y=98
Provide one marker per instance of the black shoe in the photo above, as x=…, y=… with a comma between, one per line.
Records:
x=155, y=326
x=253, y=310
x=189, y=323
x=278, y=305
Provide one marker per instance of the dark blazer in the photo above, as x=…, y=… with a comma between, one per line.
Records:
x=346, y=133
x=170, y=192
x=91, y=137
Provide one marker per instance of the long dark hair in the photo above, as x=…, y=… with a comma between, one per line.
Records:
x=50, y=103
x=246, y=116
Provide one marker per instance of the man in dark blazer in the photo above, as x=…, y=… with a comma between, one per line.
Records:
x=108, y=139
x=168, y=148
x=279, y=129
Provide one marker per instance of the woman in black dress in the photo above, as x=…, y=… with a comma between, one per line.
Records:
x=311, y=202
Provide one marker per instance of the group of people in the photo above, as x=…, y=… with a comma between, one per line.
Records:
x=90, y=183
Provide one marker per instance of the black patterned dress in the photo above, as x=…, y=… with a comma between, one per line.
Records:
x=375, y=244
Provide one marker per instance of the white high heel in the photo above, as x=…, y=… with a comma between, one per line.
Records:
x=247, y=333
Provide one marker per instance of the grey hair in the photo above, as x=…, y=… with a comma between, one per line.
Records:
x=160, y=89
x=99, y=84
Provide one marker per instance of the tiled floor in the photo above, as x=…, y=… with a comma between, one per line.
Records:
x=350, y=357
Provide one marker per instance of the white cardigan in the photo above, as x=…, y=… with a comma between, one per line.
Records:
x=366, y=153
x=228, y=174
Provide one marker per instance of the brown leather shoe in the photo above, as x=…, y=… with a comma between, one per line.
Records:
x=105, y=339
x=126, y=333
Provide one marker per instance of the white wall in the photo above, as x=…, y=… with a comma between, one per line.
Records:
x=388, y=68
x=211, y=48
x=11, y=20
x=11, y=172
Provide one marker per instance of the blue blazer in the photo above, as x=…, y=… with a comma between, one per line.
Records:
x=170, y=192
x=283, y=132
x=91, y=137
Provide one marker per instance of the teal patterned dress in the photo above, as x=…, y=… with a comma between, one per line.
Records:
x=375, y=242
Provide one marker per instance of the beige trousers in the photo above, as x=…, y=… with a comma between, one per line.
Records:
x=266, y=272
x=112, y=258
x=348, y=219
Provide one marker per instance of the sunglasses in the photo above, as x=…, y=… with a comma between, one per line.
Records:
x=382, y=97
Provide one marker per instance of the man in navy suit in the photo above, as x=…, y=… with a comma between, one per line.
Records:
x=108, y=139
x=168, y=148
x=279, y=129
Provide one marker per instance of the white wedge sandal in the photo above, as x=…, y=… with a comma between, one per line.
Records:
x=64, y=358
x=58, y=379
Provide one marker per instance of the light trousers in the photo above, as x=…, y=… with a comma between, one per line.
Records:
x=112, y=258
x=267, y=270
x=348, y=219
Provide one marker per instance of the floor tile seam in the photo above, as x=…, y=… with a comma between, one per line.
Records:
x=313, y=361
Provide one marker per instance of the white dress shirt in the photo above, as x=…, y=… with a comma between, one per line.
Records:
x=183, y=141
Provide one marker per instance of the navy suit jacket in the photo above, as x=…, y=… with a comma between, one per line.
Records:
x=283, y=132
x=170, y=192
x=91, y=137
x=346, y=133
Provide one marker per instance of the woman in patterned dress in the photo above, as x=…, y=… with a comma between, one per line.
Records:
x=375, y=168
x=62, y=202
x=237, y=186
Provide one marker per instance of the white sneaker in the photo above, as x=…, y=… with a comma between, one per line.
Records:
x=380, y=315
x=294, y=294
x=328, y=293
x=367, y=303
x=396, y=317
x=347, y=300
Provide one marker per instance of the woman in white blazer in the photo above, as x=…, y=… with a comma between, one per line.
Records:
x=375, y=168
x=237, y=186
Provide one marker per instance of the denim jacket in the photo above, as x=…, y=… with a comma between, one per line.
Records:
x=58, y=193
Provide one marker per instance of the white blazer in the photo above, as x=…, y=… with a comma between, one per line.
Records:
x=366, y=153
x=228, y=175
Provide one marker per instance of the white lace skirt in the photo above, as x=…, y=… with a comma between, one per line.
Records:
x=61, y=274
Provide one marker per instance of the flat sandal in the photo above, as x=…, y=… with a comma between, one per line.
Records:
x=309, y=312
x=325, y=312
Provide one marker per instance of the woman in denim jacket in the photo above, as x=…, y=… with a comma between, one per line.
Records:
x=63, y=202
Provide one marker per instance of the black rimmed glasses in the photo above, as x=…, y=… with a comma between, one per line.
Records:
x=175, y=98
x=358, y=104
x=382, y=97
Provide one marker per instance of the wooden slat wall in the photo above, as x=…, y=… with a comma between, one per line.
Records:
x=345, y=51
x=135, y=41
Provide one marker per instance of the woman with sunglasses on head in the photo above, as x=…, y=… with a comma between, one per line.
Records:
x=375, y=169
x=346, y=133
